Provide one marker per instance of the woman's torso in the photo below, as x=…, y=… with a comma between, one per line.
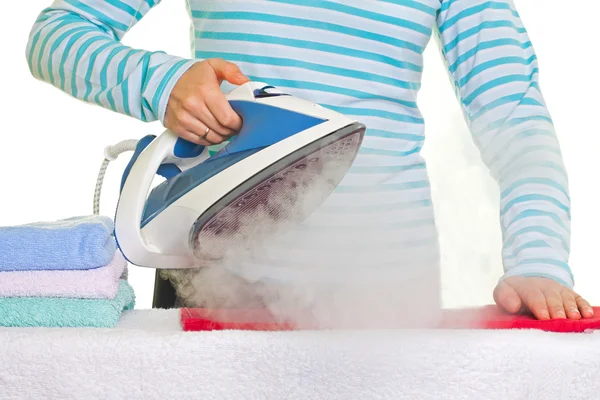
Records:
x=364, y=59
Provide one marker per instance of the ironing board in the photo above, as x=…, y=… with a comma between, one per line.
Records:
x=149, y=356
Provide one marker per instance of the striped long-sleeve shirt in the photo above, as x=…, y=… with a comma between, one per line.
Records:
x=364, y=59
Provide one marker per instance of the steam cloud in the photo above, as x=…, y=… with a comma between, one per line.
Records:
x=315, y=274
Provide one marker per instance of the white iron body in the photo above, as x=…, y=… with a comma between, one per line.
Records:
x=154, y=246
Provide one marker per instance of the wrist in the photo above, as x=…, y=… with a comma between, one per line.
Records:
x=166, y=77
x=543, y=269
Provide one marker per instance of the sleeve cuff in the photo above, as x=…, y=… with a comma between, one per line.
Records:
x=166, y=85
x=556, y=273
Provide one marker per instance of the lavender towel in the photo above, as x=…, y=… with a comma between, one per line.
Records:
x=75, y=243
x=97, y=283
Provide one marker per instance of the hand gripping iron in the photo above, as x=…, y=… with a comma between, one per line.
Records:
x=288, y=157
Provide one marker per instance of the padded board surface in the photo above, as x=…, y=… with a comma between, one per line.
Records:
x=487, y=317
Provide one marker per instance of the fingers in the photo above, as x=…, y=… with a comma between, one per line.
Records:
x=227, y=71
x=192, y=130
x=507, y=298
x=192, y=123
x=220, y=108
x=192, y=137
x=215, y=111
x=204, y=118
x=584, y=307
x=535, y=301
x=570, y=305
x=197, y=103
x=554, y=301
x=545, y=298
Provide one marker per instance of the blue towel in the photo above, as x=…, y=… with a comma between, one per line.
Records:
x=53, y=312
x=75, y=243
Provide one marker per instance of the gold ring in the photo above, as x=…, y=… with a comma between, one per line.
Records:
x=206, y=132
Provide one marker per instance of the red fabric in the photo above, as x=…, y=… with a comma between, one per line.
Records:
x=491, y=317
x=488, y=317
x=200, y=319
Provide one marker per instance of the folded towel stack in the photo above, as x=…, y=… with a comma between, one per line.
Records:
x=67, y=273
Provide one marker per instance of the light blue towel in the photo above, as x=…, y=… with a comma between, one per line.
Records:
x=55, y=312
x=75, y=243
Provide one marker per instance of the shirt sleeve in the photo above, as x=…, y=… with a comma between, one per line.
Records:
x=494, y=69
x=75, y=46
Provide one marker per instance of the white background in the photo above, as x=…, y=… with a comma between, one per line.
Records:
x=52, y=144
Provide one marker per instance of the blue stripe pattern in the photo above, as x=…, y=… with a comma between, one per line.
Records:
x=307, y=23
x=365, y=60
x=74, y=44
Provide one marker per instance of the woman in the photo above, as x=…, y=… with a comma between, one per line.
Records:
x=364, y=59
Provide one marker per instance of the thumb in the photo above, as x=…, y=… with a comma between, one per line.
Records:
x=507, y=298
x=226, y=71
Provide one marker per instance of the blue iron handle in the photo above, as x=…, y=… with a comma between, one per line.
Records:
x=262, y=126
x=183, y=149
x=186, y=149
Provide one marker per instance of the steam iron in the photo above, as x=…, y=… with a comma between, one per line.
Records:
x=288, y=157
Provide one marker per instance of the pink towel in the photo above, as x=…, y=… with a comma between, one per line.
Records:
x=97, y=283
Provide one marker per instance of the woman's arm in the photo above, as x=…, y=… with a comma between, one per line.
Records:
x=495, y=71
x=75, y=46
